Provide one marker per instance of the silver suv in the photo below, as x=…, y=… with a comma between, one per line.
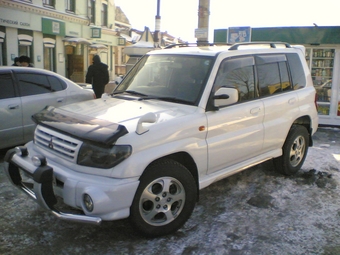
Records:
x=180, y=120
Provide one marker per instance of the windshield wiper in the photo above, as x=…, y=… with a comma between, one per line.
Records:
x=135, y=93
x=169, y=99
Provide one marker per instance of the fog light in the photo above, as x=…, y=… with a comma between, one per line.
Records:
x=21, y=151
x=88, y=202
x=39, y=160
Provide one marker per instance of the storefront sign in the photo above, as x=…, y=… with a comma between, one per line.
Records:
x=53, y=27
x=107, y=42
x=96, y=32
x=14, y=22
x=239, y=34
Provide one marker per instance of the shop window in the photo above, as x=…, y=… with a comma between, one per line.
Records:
x=49, y=54
x=91, y=10
x=2, y=50
x=70, y=5
x=104, y=15
x=49, y=3
x=49, y=59
x=25, y=44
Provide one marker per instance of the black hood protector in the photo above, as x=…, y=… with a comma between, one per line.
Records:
x=80, y=126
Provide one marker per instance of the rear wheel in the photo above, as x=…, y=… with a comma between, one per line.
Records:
x=164, y=200
x=294, y=151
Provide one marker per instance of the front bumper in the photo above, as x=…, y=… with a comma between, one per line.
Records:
x=112, y=198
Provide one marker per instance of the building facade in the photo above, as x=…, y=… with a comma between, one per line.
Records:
x=61, y=36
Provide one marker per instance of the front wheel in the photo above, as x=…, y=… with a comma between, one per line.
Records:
x=294, y=151
x=164, y=200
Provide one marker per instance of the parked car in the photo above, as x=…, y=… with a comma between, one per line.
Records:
x=180, y=120
x=25, y=91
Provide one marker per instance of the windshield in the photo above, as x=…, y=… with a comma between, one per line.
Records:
x=177, y=78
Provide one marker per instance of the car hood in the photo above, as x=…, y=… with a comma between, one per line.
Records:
x=105, y=120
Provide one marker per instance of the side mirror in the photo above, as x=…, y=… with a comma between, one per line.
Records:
x=225, y=96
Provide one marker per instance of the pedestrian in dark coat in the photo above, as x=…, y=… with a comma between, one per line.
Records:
x=16, y=62
x=98, y=76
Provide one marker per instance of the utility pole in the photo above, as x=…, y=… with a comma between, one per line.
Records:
x=156, y=35
x=202, y=32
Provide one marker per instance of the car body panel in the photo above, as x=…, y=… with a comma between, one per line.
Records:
x=17, y=111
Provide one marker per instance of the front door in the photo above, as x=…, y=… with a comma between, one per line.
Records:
x=235, y=132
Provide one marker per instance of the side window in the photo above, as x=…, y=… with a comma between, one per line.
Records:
x=285, y=81
x=237, y=73
x=56, y=84
x=296, y=70
x=272, y=74
x=6, y=86
x=33, y=84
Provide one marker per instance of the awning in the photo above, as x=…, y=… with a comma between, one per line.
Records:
x=98, y=46
x=77, y=40
x=128, y=38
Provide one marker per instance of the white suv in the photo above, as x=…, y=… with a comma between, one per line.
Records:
x=180, y=120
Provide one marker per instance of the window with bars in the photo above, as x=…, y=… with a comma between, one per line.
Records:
x=104, y=14
x=49, y=3
x=91, y=11
x=70, y=5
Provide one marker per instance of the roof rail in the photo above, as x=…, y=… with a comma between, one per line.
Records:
x=271, y=44
x=185, y=45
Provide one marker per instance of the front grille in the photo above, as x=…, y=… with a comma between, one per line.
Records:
x=59, y=144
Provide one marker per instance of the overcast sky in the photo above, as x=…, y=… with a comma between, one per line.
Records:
x=179, y=17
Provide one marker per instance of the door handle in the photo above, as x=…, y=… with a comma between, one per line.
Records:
x=292, y=101
x=255, y=110
x=13, y=106
x=60, y=100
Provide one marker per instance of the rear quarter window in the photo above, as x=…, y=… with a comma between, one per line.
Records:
x=56, y=84
x=296, y=70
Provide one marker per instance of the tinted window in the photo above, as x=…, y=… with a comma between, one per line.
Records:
x=296, y=70
x=285, y=82
x=237, y=73
x=272, y=74
x=56, y=84
x=33, y=84
x=269, y=78
x=6, y=86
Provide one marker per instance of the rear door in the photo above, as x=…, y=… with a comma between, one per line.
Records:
x=280, y=101
x=11, y=127
x=37, y=92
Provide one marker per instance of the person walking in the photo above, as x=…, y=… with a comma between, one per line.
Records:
x=98, y=76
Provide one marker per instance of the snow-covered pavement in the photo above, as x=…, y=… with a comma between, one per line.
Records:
x=254, y=212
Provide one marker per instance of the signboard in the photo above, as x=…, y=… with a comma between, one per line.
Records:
x=201, y=33
x=239, y=34
x=96, y=32
x=53, y=27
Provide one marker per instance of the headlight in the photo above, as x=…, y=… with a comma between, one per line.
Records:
x=101, y=157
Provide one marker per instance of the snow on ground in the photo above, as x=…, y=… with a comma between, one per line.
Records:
x=257, y=211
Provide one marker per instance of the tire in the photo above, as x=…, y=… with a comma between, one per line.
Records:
x=294, y=151
x=164, y=200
